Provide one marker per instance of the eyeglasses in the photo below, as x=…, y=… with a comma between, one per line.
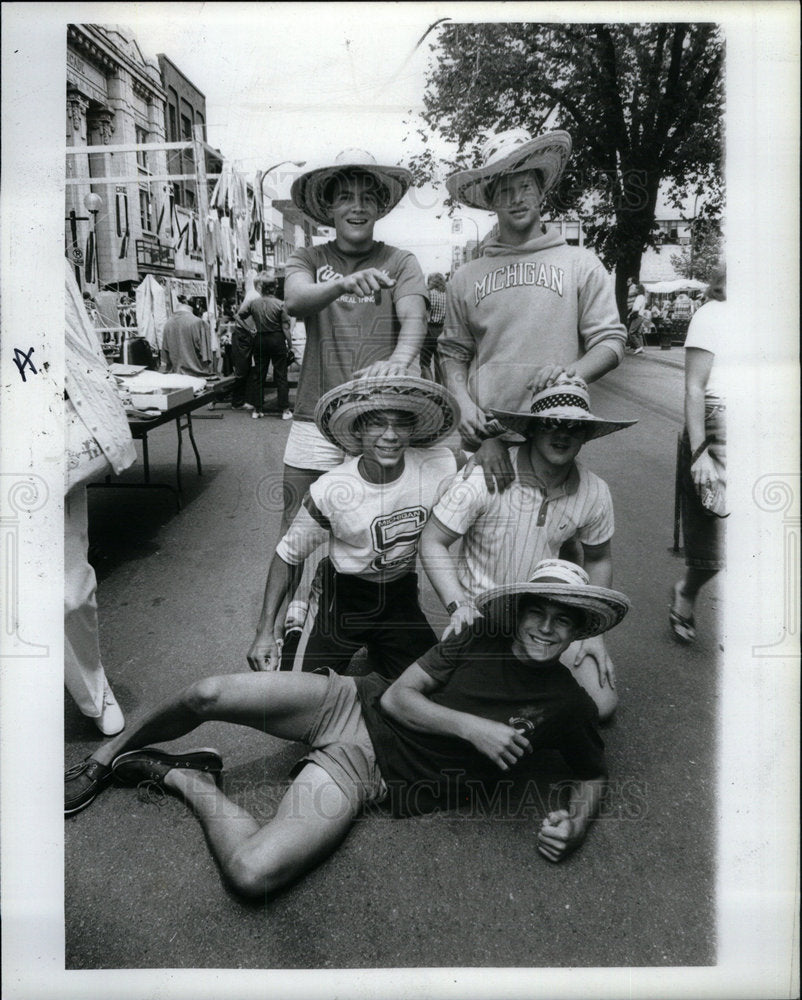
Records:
x=555, y=424
x=382, y=421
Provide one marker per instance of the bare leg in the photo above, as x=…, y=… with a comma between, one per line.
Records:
x=312, y=820
x=296, y=485
x=687, y=589
x=281, y=704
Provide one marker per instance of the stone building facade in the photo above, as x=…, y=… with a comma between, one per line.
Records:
x=114, y=98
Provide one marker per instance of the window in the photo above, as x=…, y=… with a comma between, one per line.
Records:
x=187, y=158
x=172, y=107
x=145, y=210
x=141, y=155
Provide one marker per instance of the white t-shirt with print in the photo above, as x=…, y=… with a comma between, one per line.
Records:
x=373, y=528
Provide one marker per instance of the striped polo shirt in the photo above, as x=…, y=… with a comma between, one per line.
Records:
x=505, y=535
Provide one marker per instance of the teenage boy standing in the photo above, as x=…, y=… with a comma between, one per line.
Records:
x=363, y=302
x=531, y=307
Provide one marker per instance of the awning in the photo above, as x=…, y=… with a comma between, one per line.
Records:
x=191, y=287
x=678, y=285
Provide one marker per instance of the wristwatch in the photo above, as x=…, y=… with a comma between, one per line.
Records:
x=453, y=605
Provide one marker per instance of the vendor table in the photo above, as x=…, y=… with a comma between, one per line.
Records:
x=140, y=427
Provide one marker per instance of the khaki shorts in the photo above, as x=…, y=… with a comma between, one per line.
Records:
x=341, y=744
x=307, y=448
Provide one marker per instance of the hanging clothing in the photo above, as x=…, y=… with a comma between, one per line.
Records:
x=151, y=311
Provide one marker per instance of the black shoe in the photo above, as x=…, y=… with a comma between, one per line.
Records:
x=151, y=765
x=83, y=783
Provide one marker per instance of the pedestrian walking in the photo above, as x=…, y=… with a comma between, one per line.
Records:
x=636, y=321
x=272, y=344
x=703, y=456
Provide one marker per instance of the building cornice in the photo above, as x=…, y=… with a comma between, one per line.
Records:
x=89, y=42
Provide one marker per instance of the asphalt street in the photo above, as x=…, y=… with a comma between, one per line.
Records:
x=179, y=594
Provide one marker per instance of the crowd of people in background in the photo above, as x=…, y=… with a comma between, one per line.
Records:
x=497, y=361
x=658, y=316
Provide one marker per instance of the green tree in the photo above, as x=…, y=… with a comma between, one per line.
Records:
x=643, y=104
x=700, y=258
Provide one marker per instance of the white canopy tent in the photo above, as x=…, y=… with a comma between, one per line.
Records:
x=677, y=285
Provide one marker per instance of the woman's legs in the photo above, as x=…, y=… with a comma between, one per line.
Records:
x=687, y=589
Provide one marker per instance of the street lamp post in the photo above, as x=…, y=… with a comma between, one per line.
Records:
x=93, y=204
x=295, y=163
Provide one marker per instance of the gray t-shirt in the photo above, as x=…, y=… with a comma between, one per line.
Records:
x=353, y=331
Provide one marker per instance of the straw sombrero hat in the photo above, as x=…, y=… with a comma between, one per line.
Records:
x=567, y=399
x=510, y=153
x=565, y=583
x=307, y=189
x=435, y=409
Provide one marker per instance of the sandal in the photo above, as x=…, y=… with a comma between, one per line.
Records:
x=684, y=628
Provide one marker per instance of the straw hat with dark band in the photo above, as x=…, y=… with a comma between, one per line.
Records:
x=565, y=583
x=512, y=152
x=308, y=189
x=435, y=410
x=567, y=399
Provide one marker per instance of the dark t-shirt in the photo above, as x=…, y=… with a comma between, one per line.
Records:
x=267, y=312
x=480, y=675
x=355, y=330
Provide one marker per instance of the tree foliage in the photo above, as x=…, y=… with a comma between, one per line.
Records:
x=699, y=260
x=642, y=102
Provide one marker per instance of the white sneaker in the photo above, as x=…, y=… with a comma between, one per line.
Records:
x=286, y=415
x=247, y=406
x=256, y=415
x=111, y=720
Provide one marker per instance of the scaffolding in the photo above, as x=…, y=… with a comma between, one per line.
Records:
x=201, y=179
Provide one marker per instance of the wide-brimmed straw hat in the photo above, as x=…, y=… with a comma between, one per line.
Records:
x=567, y=399
x=307, y=189
x=560, y=581
x=435, y=410
x=510, y=153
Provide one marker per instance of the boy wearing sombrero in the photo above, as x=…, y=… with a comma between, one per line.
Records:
x=363, y=302
x=452, y=729
x=553, y=500
x=531, y=306
x=371, y=510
